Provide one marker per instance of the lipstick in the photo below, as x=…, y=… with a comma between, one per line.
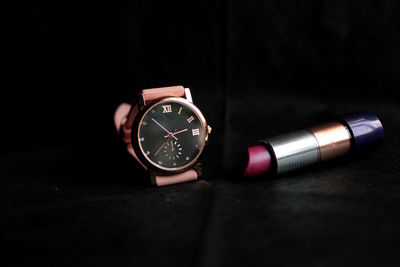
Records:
x=358, y=131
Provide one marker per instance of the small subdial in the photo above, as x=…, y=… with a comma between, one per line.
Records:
x=172, y=150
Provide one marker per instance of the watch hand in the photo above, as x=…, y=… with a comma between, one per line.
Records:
x=172, y=146
x=178, y=132
x=162, y=127
x=159, y=149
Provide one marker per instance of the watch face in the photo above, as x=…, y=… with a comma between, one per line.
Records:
x=171, y=134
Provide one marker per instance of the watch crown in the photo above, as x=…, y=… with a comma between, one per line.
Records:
x=209, y=129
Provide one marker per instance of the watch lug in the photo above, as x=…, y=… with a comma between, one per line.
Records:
x=141, y=101
x=188, y=95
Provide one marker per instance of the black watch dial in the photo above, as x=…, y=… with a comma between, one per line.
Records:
x=171, y=135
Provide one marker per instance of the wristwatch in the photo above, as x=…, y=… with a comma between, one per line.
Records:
x=165, y=133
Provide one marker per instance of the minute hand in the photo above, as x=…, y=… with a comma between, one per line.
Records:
x=178, y=132
x=162, y=127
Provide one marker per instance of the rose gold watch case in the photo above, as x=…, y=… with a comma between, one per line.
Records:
x=136, y=143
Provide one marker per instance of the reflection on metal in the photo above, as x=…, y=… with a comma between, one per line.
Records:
x=333, y=139
x=294, y=150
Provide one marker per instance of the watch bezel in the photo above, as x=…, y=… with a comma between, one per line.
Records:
x=136, y=142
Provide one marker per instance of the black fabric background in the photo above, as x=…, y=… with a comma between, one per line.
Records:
x=70, y=194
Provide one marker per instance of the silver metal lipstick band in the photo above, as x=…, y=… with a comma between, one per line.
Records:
x=294, y=150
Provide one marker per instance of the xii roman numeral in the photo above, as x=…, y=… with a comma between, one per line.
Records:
x=167, y=108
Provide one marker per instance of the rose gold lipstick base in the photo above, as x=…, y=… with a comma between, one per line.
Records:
x=333, y=139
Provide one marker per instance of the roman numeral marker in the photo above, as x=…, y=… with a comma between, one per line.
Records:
x=195, y=132
x=167, y=109
x=179, y=112
x=190, y=119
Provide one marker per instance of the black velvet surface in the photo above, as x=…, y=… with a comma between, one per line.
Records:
x=71, y=195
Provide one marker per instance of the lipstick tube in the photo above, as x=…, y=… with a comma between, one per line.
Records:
x=358, y=131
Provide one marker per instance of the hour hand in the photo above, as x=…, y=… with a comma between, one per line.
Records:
x=178, y=132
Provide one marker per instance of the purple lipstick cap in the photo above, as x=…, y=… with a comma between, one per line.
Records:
x=366, y=129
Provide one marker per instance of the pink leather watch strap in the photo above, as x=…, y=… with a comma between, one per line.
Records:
x=120, y=115
x=156, y=93
x=120, y=120
x=161, y=180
